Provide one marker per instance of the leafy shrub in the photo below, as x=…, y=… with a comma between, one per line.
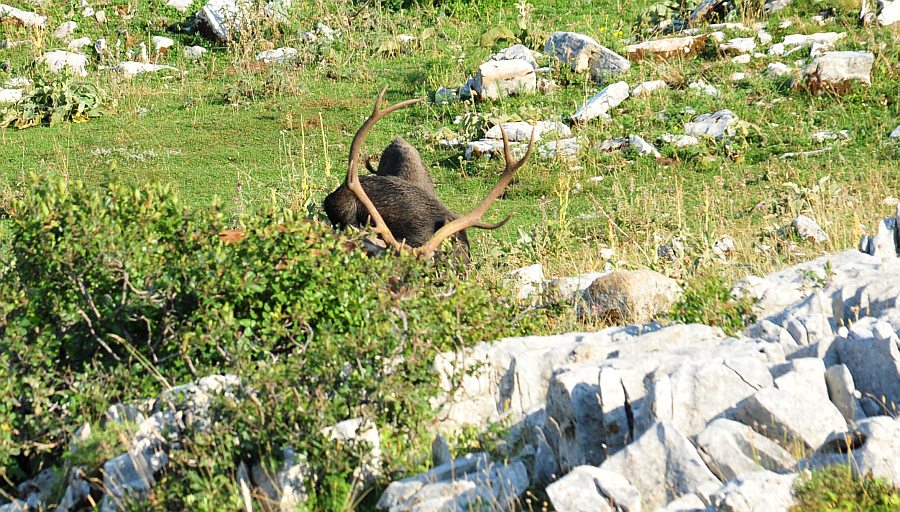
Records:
x=709, y=301
x=836, y=489
x=111, y=295
x=55, y=100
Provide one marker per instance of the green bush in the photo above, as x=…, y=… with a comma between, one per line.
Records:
x=55, y=100
x=836, y=489
x=111, y=295
x=709, y=301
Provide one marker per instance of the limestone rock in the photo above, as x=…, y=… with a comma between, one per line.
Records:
x=601, y=103
x=10, y=95
x=871, y=351
x=679, y=141
x=808, y=229
x=224, y=19
x=631, y=296
x=65, y=30
x=731, y=449
x=277, y=56
x=665, y=49
x=161, y=43
x=518, y=51
x=836, y=70
x=714, y=125
x=77, y=44
x=571, y=288
x=636, y=142
x=528, y=280
x=58, y=60
x=179, y=5
x=284, y=489
x=504, y=78
x=888, y=12
x=520, y=131
x=648, y=88
x=591, y=489
x=27, y=18
x=663, y=465
x=895, y=134
x=842, y=392
x=778, y=69
x=704, y=87
x=873, y=446
x=739, y=45
x=758, y=491
x=583, y=53
x=131, y=69
x=194, y=52
x=792, y=415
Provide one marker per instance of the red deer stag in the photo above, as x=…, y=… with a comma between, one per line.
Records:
x=404, y=214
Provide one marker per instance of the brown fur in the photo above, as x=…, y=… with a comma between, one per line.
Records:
x=404, y=161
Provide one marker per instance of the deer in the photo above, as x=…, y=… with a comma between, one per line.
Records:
x=401, y=159
x=405, y=215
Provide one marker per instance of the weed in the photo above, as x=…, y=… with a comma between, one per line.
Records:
x=835, y=488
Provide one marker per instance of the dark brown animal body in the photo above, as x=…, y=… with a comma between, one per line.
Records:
x=399, y=200
x=411, y=213
x=402, y=160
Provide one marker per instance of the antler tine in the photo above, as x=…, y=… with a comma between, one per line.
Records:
x=352, y=180
x=473, y=218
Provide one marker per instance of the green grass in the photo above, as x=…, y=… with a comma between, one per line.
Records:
x=252, y=135
x=836, y=489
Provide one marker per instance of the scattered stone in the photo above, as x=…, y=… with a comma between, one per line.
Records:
x=518, y=51
x=631, y=296
x=440, y=451
x=739, y=45
x=761, y=490
x=776, y=49
x=741, y=59
x=706, y=8
x=571, y=288
x=194, y=52
x=528, y=280
x=565, y=149
x=702, y=86
x=547, y=85
x=79, y=43
x=836, y=70
x=504, y=78
x=601, y=103
x=888, y=12
x=724, y=247
x=664, y=49
x=583, y=53
x=778, y=69
x=648, y=88
x=277, y=56
x=827, y=39
x=161, y=44
x=895, y=134
x=737, y=76
x=101, y=47
x=487, y=148
x=180, y=5
x=284, y=489
x=731, y=449
x=764, y=37
x=679, y=141
x=827, y=135
x=714, y=125
x=65, y=30
x=663, y=465
x=10, y=95
x=808, y=229
x=58, y=60
x=131, y=69
x=443, y=96
x=100, y=16
x=223, y=19
x=520, y=131
x=636, y=142
x=591, y=489
x=27, y=18
x=775, y=5
x=717, y=37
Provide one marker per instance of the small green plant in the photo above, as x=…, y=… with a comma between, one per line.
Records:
x=836, y=489
x=55, y=100
x=709, y=301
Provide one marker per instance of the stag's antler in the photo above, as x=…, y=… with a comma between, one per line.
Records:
x=473, y=218
x=352, y=181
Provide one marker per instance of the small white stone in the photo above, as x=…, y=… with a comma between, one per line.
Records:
x=741, y=59
x=161, y=43
x=704, y=87
x=194, y=52
x=896, y=133
x=764, y=37
x=737, y=76
x=10, y=95
x=65, y=30
x=278, y=55
x=679, y=141
x=646, y=88
x=778, y=69
x=79, y=43
x=100, y=16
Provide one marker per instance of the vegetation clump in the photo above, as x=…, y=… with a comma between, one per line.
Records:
x=55, y=100
x=114, y=294
x=836, y=489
